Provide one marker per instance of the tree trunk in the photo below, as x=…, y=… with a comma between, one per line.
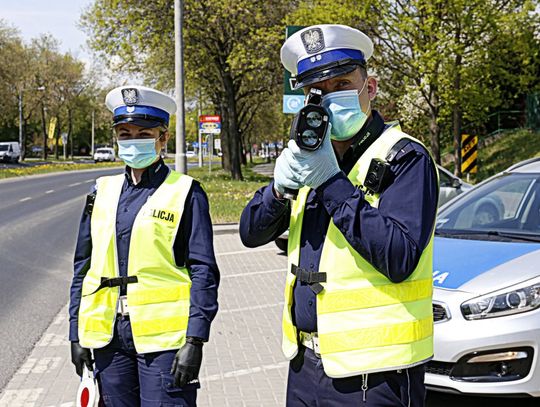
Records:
x=249, y=150
x=225, y=150
x=44, y=129
x=457, y=118
x=70, y=133
x=234, y=137
x=23, y=147
x=434, y=129
x=57, y=139
x=243, y=153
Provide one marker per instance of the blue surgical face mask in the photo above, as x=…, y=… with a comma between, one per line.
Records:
x=137, y=153
x=346, y=114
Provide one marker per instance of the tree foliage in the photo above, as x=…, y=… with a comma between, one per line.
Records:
x=49, y=84
x=441, y=63
x=231, y=56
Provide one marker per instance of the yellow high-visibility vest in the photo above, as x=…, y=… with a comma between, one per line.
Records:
x=158, y=302
x=366, y=323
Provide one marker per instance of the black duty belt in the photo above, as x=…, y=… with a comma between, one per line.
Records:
x=313, y=279
x=114, y=282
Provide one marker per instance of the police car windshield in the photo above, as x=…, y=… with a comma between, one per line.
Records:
x=4, y=147
x=505, y=208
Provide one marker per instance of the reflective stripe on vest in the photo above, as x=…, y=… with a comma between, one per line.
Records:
x=365, y=322
x=158, y=302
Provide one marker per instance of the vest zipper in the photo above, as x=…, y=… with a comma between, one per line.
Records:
x=364, y=386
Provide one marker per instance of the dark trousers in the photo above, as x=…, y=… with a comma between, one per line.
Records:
x=308, y=385
x=128, y=379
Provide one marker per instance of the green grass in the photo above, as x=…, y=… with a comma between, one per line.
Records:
x=508, y=149
x=47, y=168
x=228, y=197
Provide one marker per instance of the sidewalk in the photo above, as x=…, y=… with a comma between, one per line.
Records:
x=243, y=364
x=265, y=169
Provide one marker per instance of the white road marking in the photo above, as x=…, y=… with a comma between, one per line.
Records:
x=74, y=184
x=25, y=199
x=50, y=191
x=249, y=274
x=244, y=372
x=248, y=251
x=253, y=307
x=89, y=180
x=20, y=397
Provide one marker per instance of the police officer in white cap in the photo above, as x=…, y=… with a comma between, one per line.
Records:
x=144, y=290
x=357, y=321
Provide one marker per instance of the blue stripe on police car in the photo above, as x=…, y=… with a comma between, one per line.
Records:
x=457, y=261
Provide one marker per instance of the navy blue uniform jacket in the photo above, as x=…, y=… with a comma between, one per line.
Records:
x=391, y=237
x=193, y=247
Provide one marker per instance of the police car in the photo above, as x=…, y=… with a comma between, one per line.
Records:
x=486, y=298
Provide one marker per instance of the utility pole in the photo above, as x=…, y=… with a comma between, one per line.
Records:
x=93, y=135
x=180, y=158
x=21, y=141
x=199, y=111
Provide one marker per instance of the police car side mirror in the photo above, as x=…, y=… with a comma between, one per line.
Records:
x=456, y=183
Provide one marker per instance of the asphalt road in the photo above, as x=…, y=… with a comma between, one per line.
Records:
x=38, y=225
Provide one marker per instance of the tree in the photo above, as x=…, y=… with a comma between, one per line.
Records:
x=441, y=62
x=231, y=53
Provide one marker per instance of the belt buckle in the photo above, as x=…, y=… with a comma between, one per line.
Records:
x=315, y=343
x=123, y=306
x=311, y=340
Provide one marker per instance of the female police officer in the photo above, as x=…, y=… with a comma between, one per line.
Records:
x=357, y=321
x=144, y=291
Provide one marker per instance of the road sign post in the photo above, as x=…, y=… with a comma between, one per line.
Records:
x=210, y=125
x=469, y=154
x=293, y=100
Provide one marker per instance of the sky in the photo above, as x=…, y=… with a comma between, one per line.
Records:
x=57, y=17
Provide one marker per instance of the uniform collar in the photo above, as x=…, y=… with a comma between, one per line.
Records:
x=153, y=176
x=373, y=128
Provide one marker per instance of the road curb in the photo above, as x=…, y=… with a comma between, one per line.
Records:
x=225, y=228
x=23, y=177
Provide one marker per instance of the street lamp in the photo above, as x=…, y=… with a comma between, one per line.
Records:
x=21, y=144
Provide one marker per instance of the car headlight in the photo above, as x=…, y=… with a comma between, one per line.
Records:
x=519, y=298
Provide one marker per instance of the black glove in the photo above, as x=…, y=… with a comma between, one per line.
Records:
x=187, y=362
x=80, y=356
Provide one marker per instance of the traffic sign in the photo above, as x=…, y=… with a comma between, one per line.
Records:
x=293, y=100
x=469, y=153
x=210, y=124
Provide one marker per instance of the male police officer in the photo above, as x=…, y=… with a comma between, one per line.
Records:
x=144, y=290
x=357, y=323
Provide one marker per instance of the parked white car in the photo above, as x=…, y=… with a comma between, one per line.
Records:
x=10, y=151
x=104, y=154
x=486, y=298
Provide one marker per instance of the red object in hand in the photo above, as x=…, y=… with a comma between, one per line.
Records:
x=85, y=397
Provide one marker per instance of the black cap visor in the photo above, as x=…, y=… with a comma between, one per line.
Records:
x=327, y=72
x=141, y=120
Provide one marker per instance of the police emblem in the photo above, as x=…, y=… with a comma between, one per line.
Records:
x=313, y=40
x=130, y=96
